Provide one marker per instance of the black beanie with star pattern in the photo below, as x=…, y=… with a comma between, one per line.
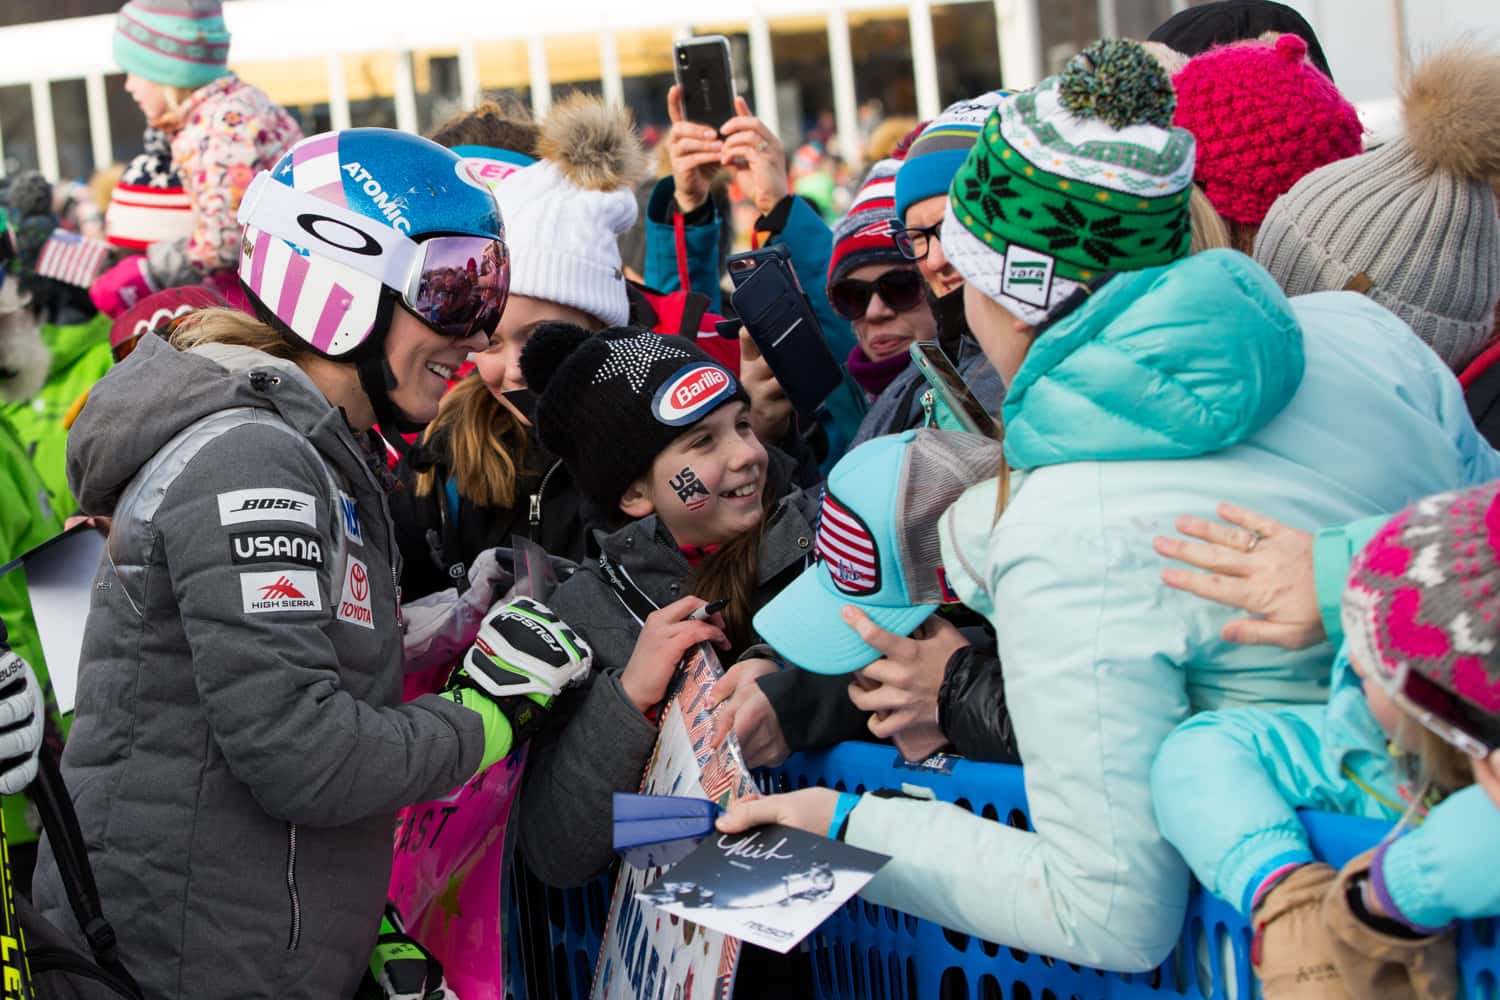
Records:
x=608, y=403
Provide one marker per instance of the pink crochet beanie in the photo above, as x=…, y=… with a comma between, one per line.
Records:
x=1264, y=117
x=1424, y=595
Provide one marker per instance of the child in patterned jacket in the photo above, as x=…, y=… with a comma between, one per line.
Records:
x=223, y=131
x=1410, y=732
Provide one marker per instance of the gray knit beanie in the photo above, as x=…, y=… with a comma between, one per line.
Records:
x=1412, y=224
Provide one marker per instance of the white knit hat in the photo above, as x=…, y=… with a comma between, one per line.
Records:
x=565, y=213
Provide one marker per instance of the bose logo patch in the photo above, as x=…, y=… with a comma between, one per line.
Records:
x=245, y=506
x=354, y=603
x=275, y=546
x=350, y=510
x=689, y=395
x=292, y=590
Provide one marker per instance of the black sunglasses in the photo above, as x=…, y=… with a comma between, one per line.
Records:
x=914, y=242
x=901, y=289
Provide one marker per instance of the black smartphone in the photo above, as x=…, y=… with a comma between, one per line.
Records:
x=703, y=71
x=780, y=320
x=742, y=265
x=957, y=409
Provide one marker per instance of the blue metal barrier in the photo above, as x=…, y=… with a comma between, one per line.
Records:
x=869, y=952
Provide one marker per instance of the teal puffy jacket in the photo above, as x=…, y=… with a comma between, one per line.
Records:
x=1169, y=390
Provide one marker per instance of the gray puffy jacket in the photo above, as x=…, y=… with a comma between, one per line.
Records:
x=240, y=747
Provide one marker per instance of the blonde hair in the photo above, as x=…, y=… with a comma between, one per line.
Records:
x=230, y=326
x=1210, y=230
x=483, y=442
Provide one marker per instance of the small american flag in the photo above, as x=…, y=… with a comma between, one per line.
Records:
x=72, y=259
x=847, y=548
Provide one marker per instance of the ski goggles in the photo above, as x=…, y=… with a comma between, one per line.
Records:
x=900, y=288
x=457, y=285
x=1462, y=725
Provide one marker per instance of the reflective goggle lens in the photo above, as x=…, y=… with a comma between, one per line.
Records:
x=462, y=285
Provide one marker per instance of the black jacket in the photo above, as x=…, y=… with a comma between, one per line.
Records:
x=971, y=706
x=439, y=545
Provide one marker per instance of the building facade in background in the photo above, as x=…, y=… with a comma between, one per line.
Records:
x=821, y=69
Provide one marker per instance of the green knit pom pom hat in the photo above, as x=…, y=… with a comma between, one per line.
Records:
x=179, y=43
x=1078, y=178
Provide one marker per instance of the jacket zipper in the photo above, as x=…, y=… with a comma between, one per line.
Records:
x=295, y=938
x=536, y=499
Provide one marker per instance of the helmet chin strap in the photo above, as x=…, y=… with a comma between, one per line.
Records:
x=378, y=380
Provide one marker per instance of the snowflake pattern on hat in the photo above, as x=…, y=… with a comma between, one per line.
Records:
x=1424, y=596
x=632, y=357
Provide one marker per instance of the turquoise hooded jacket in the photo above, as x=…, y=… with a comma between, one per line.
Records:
x=1167, y=391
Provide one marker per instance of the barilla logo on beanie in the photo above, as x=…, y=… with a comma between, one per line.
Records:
x=847, y=549
x=689, y=395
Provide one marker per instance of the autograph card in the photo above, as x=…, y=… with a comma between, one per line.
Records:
x=770, y=886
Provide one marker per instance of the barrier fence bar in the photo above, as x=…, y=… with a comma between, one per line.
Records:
x=541, y=84
x=46, y=133
x=763, y=73
x=99, y=134
x=924, y=59
x=845, y=106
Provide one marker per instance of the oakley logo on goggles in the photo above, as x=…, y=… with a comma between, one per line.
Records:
x=456, y=284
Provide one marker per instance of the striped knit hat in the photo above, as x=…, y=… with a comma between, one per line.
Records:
x=1080, y=177
x=863, y=236
x=937, y=153
x=149, y=204
x=179, y=43
x=1424, y=596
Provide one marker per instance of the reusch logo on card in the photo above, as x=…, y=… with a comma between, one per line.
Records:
x=847, y=549
x=1028, y=276
x=690, y=394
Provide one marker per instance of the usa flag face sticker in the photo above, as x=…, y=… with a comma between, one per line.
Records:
x=847, y=549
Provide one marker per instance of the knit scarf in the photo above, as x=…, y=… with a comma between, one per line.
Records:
x=874, y=376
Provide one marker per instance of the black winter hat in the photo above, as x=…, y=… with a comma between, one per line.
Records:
x=1198, y=29
x=608, y=403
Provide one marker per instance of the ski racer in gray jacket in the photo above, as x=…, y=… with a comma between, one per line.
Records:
x=240, y=746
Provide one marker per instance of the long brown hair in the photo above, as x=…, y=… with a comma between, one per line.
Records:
x=484, y=445
x=732, y=574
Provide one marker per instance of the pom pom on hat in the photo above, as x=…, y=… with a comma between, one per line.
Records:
x=564, y=214
x=1119, y=83
x=551, y=345
x=1449, y=108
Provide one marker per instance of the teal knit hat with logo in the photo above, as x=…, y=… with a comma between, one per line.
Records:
x=1083, y=176
x=179, y=43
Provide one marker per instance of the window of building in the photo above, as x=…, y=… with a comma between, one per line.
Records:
x=439, y=89
x=573, y=63
x=17, y=129
x=70, y=122
x=646, y=76
x=504, y=72
x=967, y=42
x=804, y=80
x=884, y=85
x=126, y=123
x=370, y=79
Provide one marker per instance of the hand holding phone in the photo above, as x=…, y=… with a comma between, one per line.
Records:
x=780, y=320
x=755, y=158
x=695, y=151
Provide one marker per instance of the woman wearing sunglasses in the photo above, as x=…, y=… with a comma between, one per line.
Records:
x=873, y=286
x=239, y=746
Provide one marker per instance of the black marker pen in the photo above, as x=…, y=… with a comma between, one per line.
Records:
x=707, y=611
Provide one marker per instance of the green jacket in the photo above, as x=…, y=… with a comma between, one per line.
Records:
x=28, y=517
x=80, y=355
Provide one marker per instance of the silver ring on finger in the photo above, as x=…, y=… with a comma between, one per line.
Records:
x=1255, y=538
x=764, y=145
